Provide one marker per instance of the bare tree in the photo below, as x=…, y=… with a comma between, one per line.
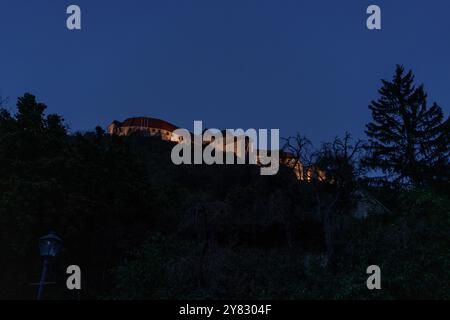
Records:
x=298, y=154
x=340, y=161
x=331, y=172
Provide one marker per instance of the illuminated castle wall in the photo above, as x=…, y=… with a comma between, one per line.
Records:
x=159, y=128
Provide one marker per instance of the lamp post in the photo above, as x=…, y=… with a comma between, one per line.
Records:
x=49, y=247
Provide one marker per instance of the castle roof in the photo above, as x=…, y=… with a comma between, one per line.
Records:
x=147, y=122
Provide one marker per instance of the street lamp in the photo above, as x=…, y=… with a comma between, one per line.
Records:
x=49, y=247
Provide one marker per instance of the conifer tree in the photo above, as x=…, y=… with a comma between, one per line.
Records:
x=408, y=140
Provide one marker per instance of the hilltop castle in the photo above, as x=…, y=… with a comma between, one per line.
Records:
x=144, y=126
x=147, y=126
x=365, y=204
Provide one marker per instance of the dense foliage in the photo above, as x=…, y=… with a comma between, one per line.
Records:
x=140, y=227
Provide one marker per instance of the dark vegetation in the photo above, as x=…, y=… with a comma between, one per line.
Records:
x=142, y=228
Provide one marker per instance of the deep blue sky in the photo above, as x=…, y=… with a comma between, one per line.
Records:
x=308, y=66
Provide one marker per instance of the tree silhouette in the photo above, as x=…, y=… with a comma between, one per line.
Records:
x=408, y=139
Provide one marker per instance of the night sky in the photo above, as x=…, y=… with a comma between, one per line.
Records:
x=307, y=66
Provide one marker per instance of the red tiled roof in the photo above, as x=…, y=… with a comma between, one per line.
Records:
x=147, y=122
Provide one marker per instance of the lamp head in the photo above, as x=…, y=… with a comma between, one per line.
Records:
x=50, y=245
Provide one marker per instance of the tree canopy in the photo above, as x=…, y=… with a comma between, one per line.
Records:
x=408, y=138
